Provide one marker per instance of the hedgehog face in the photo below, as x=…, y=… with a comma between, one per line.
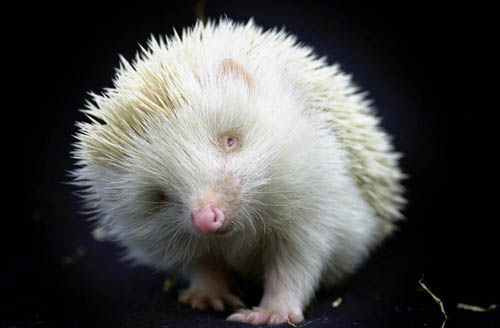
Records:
x=220, y=158
x=210, y=172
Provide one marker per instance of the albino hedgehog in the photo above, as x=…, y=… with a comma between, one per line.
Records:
x=231, y=149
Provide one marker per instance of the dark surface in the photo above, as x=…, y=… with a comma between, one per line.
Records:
x=427, y=70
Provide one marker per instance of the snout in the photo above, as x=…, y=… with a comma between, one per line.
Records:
x=208, y=218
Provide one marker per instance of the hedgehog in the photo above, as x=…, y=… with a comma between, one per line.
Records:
x=234, y=151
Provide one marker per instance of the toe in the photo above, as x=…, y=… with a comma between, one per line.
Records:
x=217, y=304
x=185, y=295
x=276, y=319
x=237, y=317
x=200, y=303
x=296, y=317
x=257, y=318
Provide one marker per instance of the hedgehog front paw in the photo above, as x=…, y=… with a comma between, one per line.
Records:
x=260, y=316
x=201, y=299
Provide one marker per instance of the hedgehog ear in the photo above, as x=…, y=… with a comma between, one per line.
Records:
x=230, y=67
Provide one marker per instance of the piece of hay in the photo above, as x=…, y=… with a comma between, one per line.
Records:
x=476, y=308
x=441, y=305
x=169, y=284
x=337, y=302
x=294, y=325
x=68, y=260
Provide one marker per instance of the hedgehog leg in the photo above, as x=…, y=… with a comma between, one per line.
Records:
x=210, y=287
x=292, y=273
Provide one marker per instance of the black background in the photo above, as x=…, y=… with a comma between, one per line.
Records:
x=430, y=72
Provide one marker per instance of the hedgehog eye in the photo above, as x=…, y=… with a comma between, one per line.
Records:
x=158, y=197
x=161, y=197
x=229, y=143
x=154, y=199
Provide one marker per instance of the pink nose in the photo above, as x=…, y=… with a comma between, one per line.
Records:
x=207, y=218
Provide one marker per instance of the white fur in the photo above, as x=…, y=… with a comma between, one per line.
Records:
x=318, y=179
